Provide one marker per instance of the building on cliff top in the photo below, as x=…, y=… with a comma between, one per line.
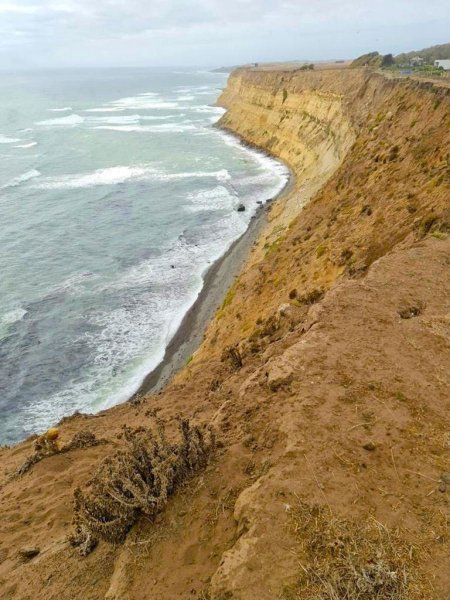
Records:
x=444, y=64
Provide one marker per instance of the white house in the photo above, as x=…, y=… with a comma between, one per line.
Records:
x=445, y=64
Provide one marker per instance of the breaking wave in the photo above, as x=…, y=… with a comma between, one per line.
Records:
x=68, y=121
x=121, y=174
x=22, y=178
x=4, y=139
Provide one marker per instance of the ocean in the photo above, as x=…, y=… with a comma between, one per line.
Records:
x=117, y=194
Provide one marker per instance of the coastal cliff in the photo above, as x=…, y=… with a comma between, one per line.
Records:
x=303, y=120
x=392, y=185
x=324, y=375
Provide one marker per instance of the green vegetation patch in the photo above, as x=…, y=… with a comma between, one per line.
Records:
x=229, y=297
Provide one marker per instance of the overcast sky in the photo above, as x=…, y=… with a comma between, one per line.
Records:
x=54, y=33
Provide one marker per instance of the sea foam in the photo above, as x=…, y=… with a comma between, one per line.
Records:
x=13, y=316
x=140, y=102
x=4, y=139
x=64, y=109
x=29, y=145
x=68, y=121
x=165, y=128
x=217, y=198
x=121, y=174
x=108, y=176
x=22, y=178
x=115, y=120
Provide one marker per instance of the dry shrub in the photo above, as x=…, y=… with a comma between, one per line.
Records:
x=134, y=481
x=342, y=559
x=43, y=447
x=47, y=445
x=266, y=328
x=270, y=326
x=312, y=297
x=83, y=439
x=232, y=355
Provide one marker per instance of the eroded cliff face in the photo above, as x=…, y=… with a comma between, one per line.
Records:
x=325, y=374
x=373, y=155
x=302, y=120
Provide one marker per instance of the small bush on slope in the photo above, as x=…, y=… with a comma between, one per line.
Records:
x=136, y=480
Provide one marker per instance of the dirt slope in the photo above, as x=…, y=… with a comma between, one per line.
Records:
x=340, y=397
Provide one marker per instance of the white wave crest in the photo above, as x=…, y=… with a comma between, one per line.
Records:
x=127, y=119
x=167, y=128
x=13, y=316
x=22, y=178
x=147, y=104
x=29, y=145
x=217, y=110
x=115, y=120
x=4, y=139
x=108, y=176
x=74, y=284
x=266, y=163
x=222, y=175
x=68, y=121
x=104, y=109
x=121, y=174
x=64, y=109
x=218, y=198
x=148, y=101
x=160, y=118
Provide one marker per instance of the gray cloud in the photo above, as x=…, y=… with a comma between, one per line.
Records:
x=207, y=32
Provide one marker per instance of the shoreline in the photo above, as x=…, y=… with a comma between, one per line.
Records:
x=217, y=280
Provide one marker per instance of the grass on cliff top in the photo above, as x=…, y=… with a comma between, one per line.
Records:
x=340, y=559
